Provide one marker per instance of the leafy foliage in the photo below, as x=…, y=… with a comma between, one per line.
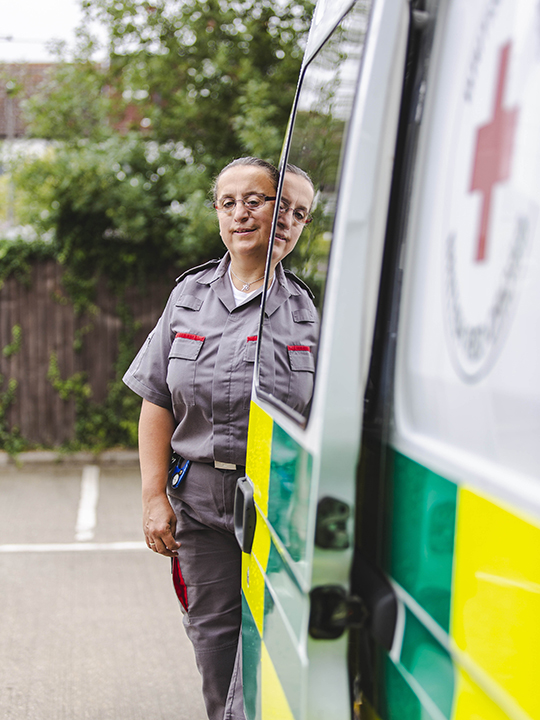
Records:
x=18, y=253
x=15, y=345
x=112, y=209
x=206, y=72
x=190, y=84
x=71, y=104
x=10, y=438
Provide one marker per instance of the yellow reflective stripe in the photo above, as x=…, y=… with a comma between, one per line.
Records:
x=496, y=603
x=274, y=703
x=259, y=454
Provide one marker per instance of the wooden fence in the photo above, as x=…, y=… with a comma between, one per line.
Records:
x=49, y=326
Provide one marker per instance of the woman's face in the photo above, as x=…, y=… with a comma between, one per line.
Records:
x=297, y=195
x=245, y=232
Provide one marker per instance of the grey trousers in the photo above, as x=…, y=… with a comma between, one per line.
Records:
x=234, y=707
x=207, y=579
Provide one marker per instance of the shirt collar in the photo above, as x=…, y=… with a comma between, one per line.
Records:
x=217, y=278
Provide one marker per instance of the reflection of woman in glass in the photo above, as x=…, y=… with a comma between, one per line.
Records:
x=194, y=374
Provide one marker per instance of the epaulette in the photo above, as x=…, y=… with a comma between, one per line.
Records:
x=302, y=284
x=209, y=264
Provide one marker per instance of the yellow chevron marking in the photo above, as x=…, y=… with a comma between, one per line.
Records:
x=274, y=703
x=259, y=451
x=252, y=575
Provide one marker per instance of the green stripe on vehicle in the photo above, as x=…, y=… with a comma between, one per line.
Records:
x=423, y=511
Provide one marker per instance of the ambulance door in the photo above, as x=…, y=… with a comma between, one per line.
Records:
x=458, y=520
x=295, y=515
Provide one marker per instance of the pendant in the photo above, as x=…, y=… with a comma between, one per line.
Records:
x=245, y=287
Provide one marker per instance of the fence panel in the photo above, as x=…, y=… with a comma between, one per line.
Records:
x=43, y=311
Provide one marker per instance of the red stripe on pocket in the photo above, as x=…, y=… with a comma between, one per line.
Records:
x=252, y=338
x=200, y=338
x=306, y=348
x=179, y=583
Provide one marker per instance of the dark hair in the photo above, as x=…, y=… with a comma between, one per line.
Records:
x=269, y=169
x=295, y=170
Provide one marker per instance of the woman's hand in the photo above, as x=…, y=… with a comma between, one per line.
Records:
x=159, y=524
x=156, y=426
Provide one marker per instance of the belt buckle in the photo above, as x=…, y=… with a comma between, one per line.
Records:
x=224, y=466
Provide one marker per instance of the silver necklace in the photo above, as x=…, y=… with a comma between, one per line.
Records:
x=246, y=285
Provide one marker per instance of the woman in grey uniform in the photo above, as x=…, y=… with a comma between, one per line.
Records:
x=194, y=373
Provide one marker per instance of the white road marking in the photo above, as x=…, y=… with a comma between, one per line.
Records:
x=86, y=517
x=71, y=547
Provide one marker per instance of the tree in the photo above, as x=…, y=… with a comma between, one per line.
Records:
x=214, y=70
x=189, y=85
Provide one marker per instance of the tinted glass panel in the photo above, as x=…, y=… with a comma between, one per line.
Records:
x=316, y=145
x=325, y=106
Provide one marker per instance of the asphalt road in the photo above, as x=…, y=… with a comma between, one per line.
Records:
x=90, y=627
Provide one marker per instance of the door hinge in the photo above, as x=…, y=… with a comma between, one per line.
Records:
x=333, y=611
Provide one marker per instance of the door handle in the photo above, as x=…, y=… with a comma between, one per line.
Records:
x=333, y=611
x=245, y=514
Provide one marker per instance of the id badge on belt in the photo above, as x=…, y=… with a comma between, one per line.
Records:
x=178, y=469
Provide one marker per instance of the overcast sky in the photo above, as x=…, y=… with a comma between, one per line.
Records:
x=31, y=23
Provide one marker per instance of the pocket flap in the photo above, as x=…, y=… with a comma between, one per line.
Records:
x=251, y=347
x=186, y=346
x=301, y=358
x=191, y=302
x=304, y=315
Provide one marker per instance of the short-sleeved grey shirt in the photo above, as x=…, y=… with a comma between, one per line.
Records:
x=198, y=361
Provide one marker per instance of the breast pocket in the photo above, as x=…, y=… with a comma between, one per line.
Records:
x=302, y=369
x=185, y=350
x=250, y=352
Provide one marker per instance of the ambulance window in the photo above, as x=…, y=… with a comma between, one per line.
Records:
x=316, y=146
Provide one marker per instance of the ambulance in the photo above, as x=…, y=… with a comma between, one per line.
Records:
x=391, y=534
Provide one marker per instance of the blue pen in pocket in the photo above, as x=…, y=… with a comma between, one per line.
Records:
x=178, y=469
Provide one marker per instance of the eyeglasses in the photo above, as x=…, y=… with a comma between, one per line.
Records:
x=300, y=215
x=251, y=202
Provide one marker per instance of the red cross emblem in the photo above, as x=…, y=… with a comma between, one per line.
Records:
x=493, y=156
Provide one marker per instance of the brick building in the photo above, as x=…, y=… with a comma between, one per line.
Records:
x=18, y=81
